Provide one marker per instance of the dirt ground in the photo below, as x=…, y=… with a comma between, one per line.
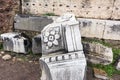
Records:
x=24, y=70
x=10, y=70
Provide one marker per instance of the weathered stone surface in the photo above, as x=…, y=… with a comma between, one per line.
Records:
x=97, y=53
x=70, y=66
x=81, y=8
x=116, y=10
x=6, y=57
x=101, y=74
x=91, y=27
x=36, y=44
x=52, y=39
x=112, y=30
x=63, y=34
x=16, y=42
x=106, y=29
x=32, y=23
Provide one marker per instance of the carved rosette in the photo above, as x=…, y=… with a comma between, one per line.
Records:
x=51, y=37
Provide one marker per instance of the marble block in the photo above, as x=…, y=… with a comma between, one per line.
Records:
x=69, y=66
x=15, y=42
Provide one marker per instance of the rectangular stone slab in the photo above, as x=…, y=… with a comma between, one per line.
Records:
x=91, y=27
x=32, y=23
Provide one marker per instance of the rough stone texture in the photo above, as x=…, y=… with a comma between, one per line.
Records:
x=36, y=44
x=8, y=8
x=81, y=8
x=101, y=74
x=112, y=30
x=91, y=27
x=32, y=23
x=116, y=10
x=6, y=57
x=16, y=42
x=97, y=53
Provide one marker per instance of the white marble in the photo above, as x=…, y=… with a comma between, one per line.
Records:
x=69, y=66
x=14, y=42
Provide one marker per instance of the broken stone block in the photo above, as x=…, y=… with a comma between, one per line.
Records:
x=98, y=53
x=15, y=42
x=62, y=35
x=101, y=74
x=69, y=66
x=63, y=57
x=32, y=23
x=112, y=30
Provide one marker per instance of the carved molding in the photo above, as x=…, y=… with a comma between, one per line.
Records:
x=62, y=57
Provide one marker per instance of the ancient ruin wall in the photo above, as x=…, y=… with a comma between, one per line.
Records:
x=100, y=9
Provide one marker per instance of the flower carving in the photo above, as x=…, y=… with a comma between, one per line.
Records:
x=51, y=38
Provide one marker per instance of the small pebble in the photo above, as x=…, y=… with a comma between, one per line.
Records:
x=6, y=57
x=2, y=52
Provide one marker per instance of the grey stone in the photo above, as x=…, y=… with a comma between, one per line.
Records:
x=62, y=36
x=98, y=53
x=112, y=30
x=32, y=23
x=16, y=42
x=6, y=57
x=52, y=39
x=36, y=44
x=92, y=27
x=69, y=66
